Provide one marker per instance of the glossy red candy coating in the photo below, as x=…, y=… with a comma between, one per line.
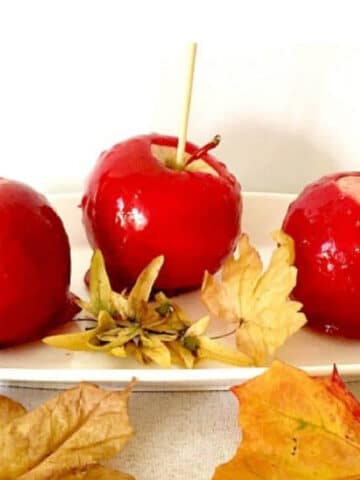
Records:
x=135, y=208
x=34, y=264
x=324, y=221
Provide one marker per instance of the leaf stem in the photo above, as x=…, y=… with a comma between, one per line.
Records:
x=84, y=319
x=224, y=335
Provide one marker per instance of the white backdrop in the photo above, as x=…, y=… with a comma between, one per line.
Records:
x=279, y=80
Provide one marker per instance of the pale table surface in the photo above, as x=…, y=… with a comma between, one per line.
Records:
x=178, y=435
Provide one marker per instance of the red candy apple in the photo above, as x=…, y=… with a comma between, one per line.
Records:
x=138, y=205
x=34, y=264
x=324, y=222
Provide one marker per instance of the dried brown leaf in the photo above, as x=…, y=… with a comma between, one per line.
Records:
x=258, y=301
x=98, y=473
x=9, y=410
x=68, y=433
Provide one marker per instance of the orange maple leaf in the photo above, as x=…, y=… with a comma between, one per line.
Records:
x=294, y=428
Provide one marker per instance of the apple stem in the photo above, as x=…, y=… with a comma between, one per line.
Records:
x=204, y=150
x=179, y=161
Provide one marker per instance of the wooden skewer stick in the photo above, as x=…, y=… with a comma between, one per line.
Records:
x=186, y=106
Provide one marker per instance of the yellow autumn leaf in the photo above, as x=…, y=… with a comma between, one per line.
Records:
x=153, y=349
x=211, y=350
x=205, y=348
x=258, y=301
x=150, y=329
x=159, y=354
x=198, y=328
x=118, y=352
x=180, y=355
x=99, y=286
x=295, y=427
x=142, y=289
x=82, y=341
x=69, y=433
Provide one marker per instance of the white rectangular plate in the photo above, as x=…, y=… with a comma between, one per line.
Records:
x=46, y=366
